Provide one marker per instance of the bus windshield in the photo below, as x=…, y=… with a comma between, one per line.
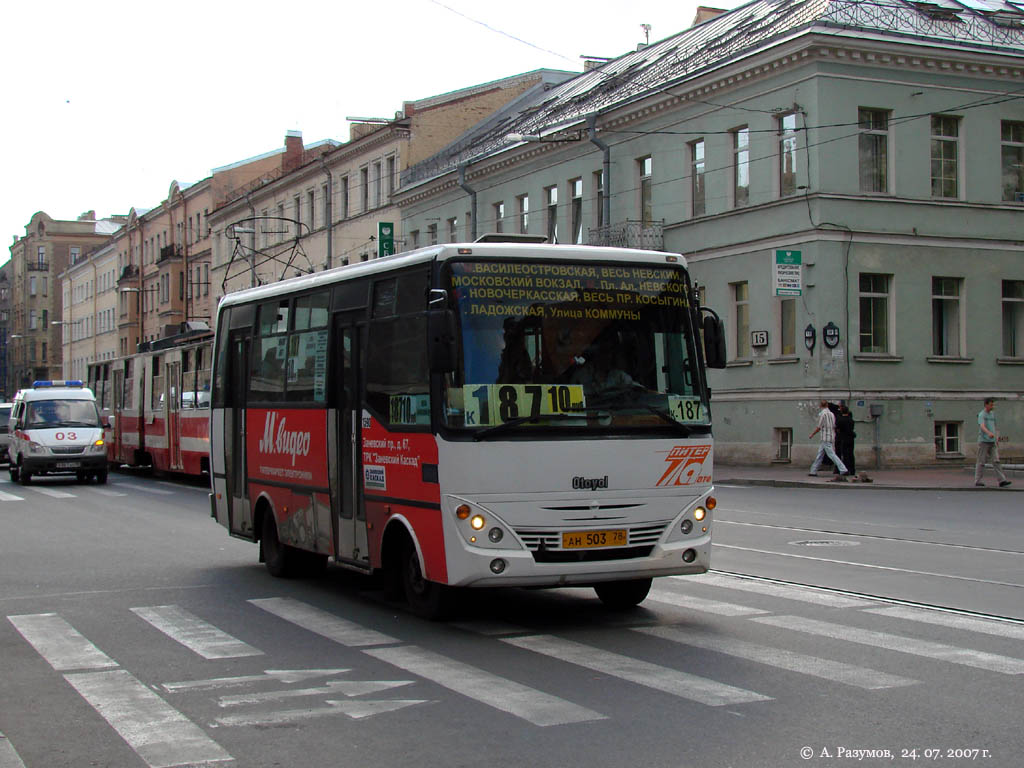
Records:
x=554, y=345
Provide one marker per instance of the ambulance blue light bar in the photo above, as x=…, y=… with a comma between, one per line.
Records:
x=58, y=383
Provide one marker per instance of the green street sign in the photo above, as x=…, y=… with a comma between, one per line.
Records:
x=788, y=273
x=385, y=238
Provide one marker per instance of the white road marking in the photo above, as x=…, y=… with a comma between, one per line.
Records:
x=194, y=633
x=8, y=755
x=489, y=628
x=531, y=705
x=60, y=643
x=773, y=589
x=107, y=492
x=836, y=671
x=323, y=623
x=644, y=673
x=53, y=492
x=10, y=497
x=953, y=620
x=281, y=675
x=700, y=604
x=354, y=709
x=147, y=489
x=964, y=656
x=158, y=733
x=331, y=688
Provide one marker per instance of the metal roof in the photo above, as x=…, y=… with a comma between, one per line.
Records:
x=981, y=25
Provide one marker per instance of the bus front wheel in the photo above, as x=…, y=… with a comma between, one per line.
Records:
x=427, y=599
x=621, y=595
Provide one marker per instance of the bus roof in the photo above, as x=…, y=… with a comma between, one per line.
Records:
x=447, y=251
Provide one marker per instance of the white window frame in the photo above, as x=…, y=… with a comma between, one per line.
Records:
x=948, y=317
x=739, y=312
x=1011, y=154
x=698, y=177
x=945, y=150
x=1012, y=314
x=948, y=438
x=873, y=295
x=645, y=189
x=788, y=154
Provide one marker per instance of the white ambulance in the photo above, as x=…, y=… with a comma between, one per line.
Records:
x=55, y=428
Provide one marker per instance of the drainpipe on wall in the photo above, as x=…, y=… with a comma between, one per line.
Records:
x=472, y=201
x=606, y=204
x=329, y=212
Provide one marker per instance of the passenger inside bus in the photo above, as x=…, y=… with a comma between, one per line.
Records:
x=599, y=368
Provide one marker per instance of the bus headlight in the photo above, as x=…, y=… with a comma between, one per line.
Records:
x=477, y=522
x=699, y=514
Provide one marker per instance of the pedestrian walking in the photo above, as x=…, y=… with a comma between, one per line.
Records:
x=845, y=436
x=827, y=428
x=988, y=444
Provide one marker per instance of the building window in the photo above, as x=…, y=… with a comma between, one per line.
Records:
x=41, y=255
x=311, y=207
x=415, y=237
x=551, y=213
x=944, y=144
x=1013, y=318
x=741, y=316
x=327, y=205
x=873, y=149
x=32, y=285
x=499, y=217
x=1013, y=161
x=453, y=230
x=787, y=327
x=783, y=443
x=390, y=179
x=432, y=234
x=76, y=254
x=741, y=166
x=947, y=311
x=947, y=438
x=697, y=177
x=645, y=165
x=523, y=207
x=576, y=209
x=599, y=198
x=376, y=184
x=787, y=155
x=874, y=313
x=364, y=189
x=343, y=184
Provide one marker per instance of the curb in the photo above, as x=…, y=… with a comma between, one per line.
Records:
x=872, y=485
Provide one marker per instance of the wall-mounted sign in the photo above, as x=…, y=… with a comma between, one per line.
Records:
x=830, y=334
x=787, y=272
x=810, y=336
x=385, y=238
x=759, y=338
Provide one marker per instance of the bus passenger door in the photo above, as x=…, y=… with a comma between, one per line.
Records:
x=347, y=481
x=239, y=510
x=174, y=417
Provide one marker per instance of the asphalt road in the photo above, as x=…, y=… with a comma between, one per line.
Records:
x=135, y=632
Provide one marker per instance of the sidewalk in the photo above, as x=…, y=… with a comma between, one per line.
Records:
x=960, y=478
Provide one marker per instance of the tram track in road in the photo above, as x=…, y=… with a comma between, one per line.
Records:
x=877, y=537
x=1009, y=621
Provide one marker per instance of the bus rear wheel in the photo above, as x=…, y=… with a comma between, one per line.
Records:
x=427, y=599
x=279, y=558
x=622, y=595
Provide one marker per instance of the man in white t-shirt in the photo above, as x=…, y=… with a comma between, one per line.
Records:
x=827, y=428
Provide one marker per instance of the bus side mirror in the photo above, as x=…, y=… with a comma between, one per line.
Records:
x=714, y=341
x=441, y=335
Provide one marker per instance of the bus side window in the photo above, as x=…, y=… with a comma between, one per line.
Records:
x=397, y=375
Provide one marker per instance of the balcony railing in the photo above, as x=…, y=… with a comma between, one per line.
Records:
x=130, y=271
x=38, y=266
x=630, y=234
x=169, y=252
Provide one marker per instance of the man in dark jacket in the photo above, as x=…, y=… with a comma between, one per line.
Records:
x=844, y=439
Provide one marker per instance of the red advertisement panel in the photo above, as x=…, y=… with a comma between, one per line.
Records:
x=287, y=446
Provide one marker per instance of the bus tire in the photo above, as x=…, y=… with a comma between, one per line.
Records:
x=622, y=595
x=427, y=599
x=279, y=558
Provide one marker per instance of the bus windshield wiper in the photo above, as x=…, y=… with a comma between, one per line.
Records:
x=538, y=417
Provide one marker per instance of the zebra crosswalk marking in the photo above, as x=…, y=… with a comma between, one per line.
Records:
x=195, y=634
x=664, y=679
x=835, y=671
x=963, y=656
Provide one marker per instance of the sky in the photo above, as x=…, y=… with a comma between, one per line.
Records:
x=106, y=103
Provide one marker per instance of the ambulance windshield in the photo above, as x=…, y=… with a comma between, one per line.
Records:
x=47, y=414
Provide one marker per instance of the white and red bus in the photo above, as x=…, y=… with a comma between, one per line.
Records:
x=158, y=403
x=471, y=415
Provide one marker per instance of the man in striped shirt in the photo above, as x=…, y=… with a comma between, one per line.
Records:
x=827, y=428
